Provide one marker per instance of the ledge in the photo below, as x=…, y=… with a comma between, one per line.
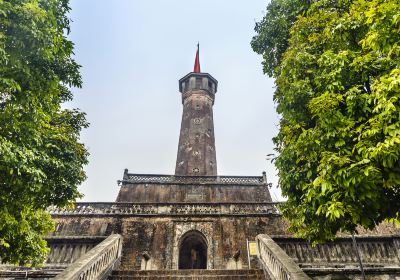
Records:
x=75, y=239
x=288, y=238
x=111, y=209
x=353, y=270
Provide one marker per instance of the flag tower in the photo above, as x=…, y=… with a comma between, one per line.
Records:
x=196, y=148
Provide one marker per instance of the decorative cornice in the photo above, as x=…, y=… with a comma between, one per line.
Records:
x=111, y=209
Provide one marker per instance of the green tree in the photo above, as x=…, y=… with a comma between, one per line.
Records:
x=338, y=94
x=41, y=158
x=272, y=36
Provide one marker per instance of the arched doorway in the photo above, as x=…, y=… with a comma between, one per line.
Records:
x=193, y=251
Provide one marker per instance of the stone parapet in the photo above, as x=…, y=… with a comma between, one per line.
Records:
x=276, y=263
x=97, y=263
x=67, y=249
x=28, y=273
x=353, y=273
x=381, y=250
x=167, y=209
x=156, y=188
x=193, y=180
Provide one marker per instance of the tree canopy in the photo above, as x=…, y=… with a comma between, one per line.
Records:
x=336, y=69
x=41, y=158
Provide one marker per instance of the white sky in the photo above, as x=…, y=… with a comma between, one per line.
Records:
x=133, y=52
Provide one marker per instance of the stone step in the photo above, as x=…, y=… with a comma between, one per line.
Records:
x=186, y=274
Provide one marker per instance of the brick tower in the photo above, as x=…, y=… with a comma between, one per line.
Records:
x=196, y=148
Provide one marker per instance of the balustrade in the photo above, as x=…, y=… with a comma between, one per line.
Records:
x=67, y=249
x=276, y=263
x=96, y=263
x=170, y=209
x=372, y=249
x=173, y=179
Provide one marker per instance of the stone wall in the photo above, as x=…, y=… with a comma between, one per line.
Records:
x=155, y=193
x=196, y=149
x=158, y=239
x=82, y=225
x=152, y=236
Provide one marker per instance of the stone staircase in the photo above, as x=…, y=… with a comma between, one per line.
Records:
x=188, y=274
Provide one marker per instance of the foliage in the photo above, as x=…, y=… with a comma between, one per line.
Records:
x=338, y=94
x=273, y=31
x=41, y=158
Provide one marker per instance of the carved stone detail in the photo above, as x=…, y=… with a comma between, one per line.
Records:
x=167, y=209
x=205, y=228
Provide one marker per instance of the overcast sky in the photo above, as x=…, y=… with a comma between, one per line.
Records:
x=134, y=52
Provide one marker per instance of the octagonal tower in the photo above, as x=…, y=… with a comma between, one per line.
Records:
x=196, y=149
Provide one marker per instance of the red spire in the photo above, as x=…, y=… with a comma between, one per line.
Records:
x=197, y=61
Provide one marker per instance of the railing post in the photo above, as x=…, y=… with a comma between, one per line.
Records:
x=358, y=256
x=396, y=245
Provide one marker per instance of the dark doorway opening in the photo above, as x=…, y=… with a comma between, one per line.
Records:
x=193, y=251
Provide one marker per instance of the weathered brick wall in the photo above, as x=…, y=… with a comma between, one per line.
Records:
x=196, y=149
x=80, y=225
x=146, y=193
x=160, y=237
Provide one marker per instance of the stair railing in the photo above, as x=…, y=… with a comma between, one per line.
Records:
x=97, y=263
x=275, y=262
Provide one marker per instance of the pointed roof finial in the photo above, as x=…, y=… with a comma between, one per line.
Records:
x=197, y=60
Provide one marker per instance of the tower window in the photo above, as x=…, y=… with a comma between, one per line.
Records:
x=198, y=83
x=197, y=121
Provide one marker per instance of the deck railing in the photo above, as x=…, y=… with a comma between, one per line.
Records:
x=96, y=263
x=372, y=249
x=177, y=180
x=276, y=263
x=65, y=250
x=166, y=209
